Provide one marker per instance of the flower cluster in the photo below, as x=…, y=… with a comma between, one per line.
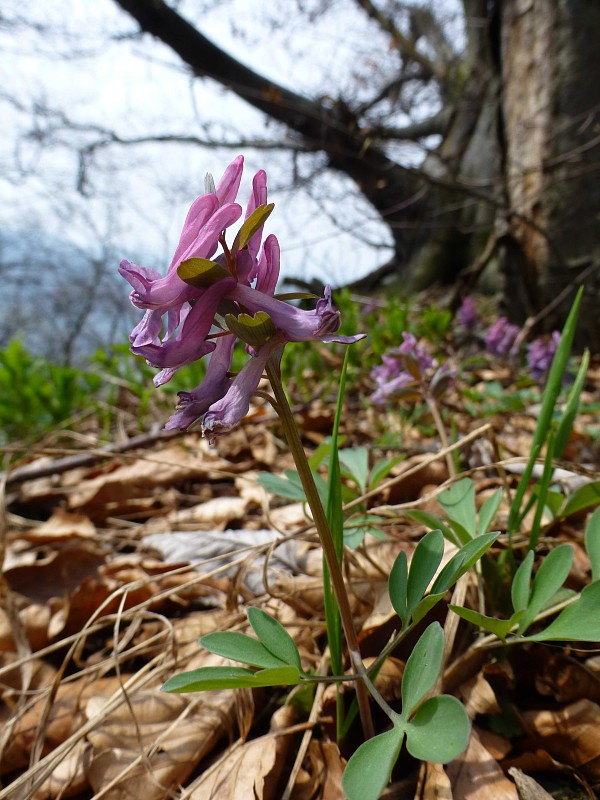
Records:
x=212, y=295
x=467, y=313
x=407, y=371
x=540, y=354
x=501, y=337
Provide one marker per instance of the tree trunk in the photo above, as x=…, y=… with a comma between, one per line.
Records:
x=551, y=113
x=518, y=162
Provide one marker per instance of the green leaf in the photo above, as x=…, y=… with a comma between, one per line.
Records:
x=397, y=586
x=459, y=504
x=592, y=543
x=425, y=606
x=290, y=486
x=462, y=561
x=381, y=470
x=439, y=731
x=201, y=273
x=568, y=417
x=278, y=676
x=542, y=490
x=250, y=226
x=521, y=585
x=549, y=578
x=551, y=392
x=488, y=511
x=359, y=525
x=579, y=622
x=585, y=497
x=356, y=462
x=368, y=770
x=435, y=523
x=424, y=563
x=239, y=647
x=274, y=636
x=554, y=502
x=209, y=678
x=499, y=627
x=205, y=678
x=422, y=668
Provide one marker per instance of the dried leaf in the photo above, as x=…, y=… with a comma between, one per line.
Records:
x=571, y=735
x=476, y=775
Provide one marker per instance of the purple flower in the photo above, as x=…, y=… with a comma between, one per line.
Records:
x=401, y=371
x=467, y=313
x=400, y=387
x=207, y=300
x=409, y=372
x=540, y=354
x=501, y=336
x=417, y=359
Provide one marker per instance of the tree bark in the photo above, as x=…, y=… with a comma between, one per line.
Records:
x=551, y=113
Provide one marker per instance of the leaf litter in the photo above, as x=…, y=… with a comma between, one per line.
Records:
x=117, y=563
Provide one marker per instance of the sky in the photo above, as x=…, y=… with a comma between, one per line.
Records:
x=135, y=199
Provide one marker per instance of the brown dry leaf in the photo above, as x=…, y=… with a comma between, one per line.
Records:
x=328, y=765
x=478, y=696
x=477, y=776
x=389, y=678
x=434, y=784
x=571, y=735
x=251, y=770
x=120, y=489
x=62, y=525
x=215, y=513
x=301, y=592
x=321, y=775
x=567, y=680
x=35, y=619
x=58, y=574
x=70, y=778
x=528, y=788
x=148, y=755
x=64, y=718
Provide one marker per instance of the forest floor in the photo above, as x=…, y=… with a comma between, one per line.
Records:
x=118, y=557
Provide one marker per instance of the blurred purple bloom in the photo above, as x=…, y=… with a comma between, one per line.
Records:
x=393, y=388
x=416, y=359
x=540, y=354
x=501, y=337
x=400, y=370
x=183, y=319
x=467, y=313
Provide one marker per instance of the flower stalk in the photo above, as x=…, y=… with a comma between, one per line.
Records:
x=322, y=525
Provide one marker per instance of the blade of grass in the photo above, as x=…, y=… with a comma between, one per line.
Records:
x=551, y=393
x=543, y=487
x=335, y=517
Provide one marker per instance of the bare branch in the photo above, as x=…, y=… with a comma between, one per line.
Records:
x=406, y=46
x=414, y=130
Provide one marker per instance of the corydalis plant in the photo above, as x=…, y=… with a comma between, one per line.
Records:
x=501, y=337
x=540, y=353
x=408, y=372
x=214, y=293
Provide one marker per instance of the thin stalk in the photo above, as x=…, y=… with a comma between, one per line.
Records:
x=327, y=543
x=441, y=429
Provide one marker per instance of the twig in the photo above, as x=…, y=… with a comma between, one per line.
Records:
x=34, y=470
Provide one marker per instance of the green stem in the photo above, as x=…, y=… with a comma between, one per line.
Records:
x=327, y=543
